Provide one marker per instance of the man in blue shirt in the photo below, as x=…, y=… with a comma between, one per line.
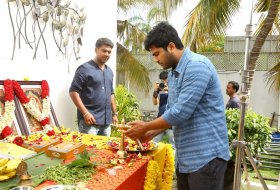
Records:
x=195, y=109
x=93, y=94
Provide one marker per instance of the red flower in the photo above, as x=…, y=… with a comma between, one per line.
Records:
x=6, y=132
x=45, y=121
x=18, y=141
x=20, y=93
x=9, y=92
x=45, y=89
x=74, y=137
x=50, y=133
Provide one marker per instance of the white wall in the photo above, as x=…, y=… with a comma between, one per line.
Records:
x=101, y=22
x=262, y=101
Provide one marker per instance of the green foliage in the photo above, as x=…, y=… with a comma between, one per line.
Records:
x=127, y=104
x=83, y=160
x=115, y=132
x=216, y=45
x=256, y=128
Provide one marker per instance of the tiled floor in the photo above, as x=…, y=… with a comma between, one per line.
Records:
x=174, y=184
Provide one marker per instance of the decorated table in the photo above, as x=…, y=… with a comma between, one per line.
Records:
x=57, y=153
x=149, y=170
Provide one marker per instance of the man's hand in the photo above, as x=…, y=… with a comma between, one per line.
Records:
x=149, y=135
x=137, y=130
x=115, y=120
x=89, y=119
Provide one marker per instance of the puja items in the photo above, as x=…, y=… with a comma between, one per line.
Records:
x=133, y=146
x=65, y=150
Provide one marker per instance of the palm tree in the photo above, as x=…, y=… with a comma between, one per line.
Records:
x=132, y=33
x=210, y=19
x=265, y=29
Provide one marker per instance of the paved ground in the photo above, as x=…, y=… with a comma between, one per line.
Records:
x=174, y=185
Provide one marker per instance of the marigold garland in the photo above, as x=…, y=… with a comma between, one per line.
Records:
x=152, y=176
x=33, y=110
x=7, y=119
x=153, y=179
x=169, y=168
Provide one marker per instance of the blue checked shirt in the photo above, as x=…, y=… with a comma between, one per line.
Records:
x=196, y=111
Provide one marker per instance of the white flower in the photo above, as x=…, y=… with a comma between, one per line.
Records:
x=8, y=117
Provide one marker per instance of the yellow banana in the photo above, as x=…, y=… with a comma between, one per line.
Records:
x=12, y=165
x=4, y=161
x=3, y=169
x=7, y=175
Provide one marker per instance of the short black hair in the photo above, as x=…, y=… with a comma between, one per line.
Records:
x=161, y=35
x=104, y=41
x=235, y=85
x=163, y=75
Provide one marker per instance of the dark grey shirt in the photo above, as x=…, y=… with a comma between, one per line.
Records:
x=95, y=88
x=233, y=102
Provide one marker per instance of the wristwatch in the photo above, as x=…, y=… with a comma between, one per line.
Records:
x=115, y=114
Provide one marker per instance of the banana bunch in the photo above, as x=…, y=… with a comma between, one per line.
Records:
x=8, y=168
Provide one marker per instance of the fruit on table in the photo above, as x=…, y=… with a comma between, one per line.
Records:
x=4, y=161
x=7, y=175
x=8, y=170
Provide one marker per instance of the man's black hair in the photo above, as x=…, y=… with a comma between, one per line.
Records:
x=163, y=75
x=104, y=41
x=235, y=85
x=161, y=35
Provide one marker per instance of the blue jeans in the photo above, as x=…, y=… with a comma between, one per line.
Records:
x=104, y=130
x=209, y=177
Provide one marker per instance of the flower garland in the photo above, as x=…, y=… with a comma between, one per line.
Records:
x=7, y=119
x=152, y=176
x=153, y=179
x=169, y=168
x=32, y=109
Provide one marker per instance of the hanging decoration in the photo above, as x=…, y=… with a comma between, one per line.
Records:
x=30, y=21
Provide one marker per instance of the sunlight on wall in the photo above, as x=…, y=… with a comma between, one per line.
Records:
x=101, y=22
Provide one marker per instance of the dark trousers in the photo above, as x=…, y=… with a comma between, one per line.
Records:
x=209, y=177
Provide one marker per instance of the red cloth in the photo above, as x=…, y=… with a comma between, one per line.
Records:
x=125, y=178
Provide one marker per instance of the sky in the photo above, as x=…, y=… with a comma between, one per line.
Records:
x=178, y=17
x=239, y=21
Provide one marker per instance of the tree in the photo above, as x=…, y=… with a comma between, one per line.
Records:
x=209, y=19
x=132, y=34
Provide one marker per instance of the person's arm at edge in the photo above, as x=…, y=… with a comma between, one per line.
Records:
x=114, y=109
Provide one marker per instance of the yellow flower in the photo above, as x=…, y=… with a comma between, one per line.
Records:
x=167, y=175
x=151, y=179
x=156, y=181
x=46, y=137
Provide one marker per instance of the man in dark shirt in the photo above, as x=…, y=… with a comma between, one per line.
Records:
x=92, y=92
x=160, y=97
x=231, y=90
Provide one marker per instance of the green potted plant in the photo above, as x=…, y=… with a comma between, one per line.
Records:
x=127, y=106
x=257, y=134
